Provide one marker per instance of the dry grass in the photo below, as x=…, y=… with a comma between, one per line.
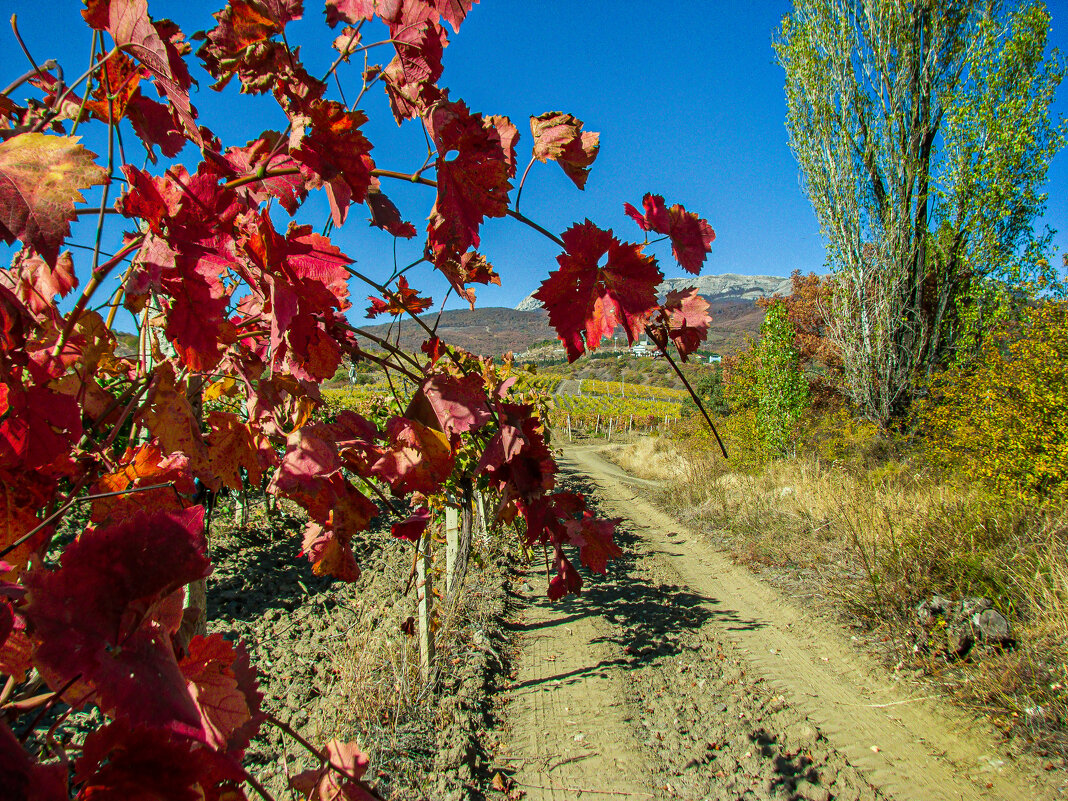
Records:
x=878, y=535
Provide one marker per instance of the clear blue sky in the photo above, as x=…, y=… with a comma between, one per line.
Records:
x=687, y=97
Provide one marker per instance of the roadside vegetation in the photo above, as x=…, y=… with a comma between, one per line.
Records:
x=963, y=498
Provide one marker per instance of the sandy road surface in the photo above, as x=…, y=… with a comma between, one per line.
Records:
x=683, y=676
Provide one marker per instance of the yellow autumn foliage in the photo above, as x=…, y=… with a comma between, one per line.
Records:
x=1004, y=419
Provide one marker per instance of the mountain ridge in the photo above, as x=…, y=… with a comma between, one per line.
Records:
x=722, y=287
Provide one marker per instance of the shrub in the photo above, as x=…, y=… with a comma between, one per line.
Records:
x=1005, y=417
x=781, y=389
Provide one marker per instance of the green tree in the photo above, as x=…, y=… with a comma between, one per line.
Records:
x=781, y=389
x=923, y=134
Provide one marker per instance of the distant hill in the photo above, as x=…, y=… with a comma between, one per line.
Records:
x=494, y=330
x=491, y=331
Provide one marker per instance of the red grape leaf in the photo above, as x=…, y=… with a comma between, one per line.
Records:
x=115, y=85
x=24, y=493
x=123, y=763
x=24, y=780
x=506, y=134
x=394, y=12
x=94, y=620
x=154, y=199
x=405, y=299
x=559, y=137
x=355, y=11
x=229, y=707
x=413, y=526
x=471, y=268
x=566, y=581
x=157, y=45
x=143, y=466
x=232, y=445
x=385, y=215
x=408, y=100
x=241, y=24
x=432, y=348
x=517, y=454
x=691, y=236
x=586, y=301
x=41, y=426
x=594, y=540
x=335, y=148
x=155, y=125
x=472, y=171
x=197, y=324
x=37, y=283
x=41, y=178
x=420, y=44
x=685, y=321
x=310, y=474
x=16, y=652
x=169, y=416
x=256, y=158
x=330, y=553
x=458, y=404
x=304, y=278
x=419, y=458
x=454, y=11
x=339, y=778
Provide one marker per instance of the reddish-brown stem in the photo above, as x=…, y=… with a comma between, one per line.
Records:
x=47, y=118
x=117, y=298
x=22, y=44
x=387, y=345
x=388, y=365
x=95, y=210
x=259, y=788
x=523, y=180
x=381, y=495
x=321, y=756
x=55, y=697
x=404, y=176
x=260, y=175
x=88, y=85
x=514, y=214
x=99, y=275
x=9, y=687
x=66, y=507
x=693, y=394
x=15, y=84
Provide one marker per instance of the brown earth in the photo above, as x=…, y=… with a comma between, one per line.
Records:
x=681, y=675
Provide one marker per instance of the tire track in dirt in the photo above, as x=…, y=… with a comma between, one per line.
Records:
x=681, y=675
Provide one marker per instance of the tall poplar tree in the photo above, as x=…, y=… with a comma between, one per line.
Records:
x=923, y=132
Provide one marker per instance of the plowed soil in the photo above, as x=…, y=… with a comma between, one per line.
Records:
x=680, y=675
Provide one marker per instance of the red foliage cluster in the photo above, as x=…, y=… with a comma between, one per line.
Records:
x=230, y=307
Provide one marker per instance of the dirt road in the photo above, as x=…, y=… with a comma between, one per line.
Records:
x=680, y=675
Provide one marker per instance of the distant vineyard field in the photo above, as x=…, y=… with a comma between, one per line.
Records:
x=599, y=414
x=541, y=382
x=358, y=397
x=617, y=388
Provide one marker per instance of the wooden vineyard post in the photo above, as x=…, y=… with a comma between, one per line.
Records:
x=597, y=426
x=463, y=534
x=452, y=546
x=630, y=427
x=424, y=598
x=569, y=428
x=480, y=504
x=608, y=430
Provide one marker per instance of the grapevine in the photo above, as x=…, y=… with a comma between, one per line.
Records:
x=240, y=319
